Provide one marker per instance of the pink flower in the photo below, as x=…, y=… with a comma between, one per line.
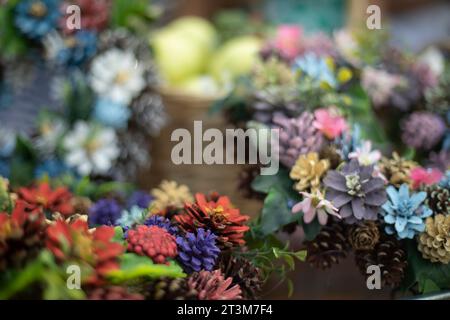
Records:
x=287, y=40
x=329, y=122
x=420, y=176
x=315, y=203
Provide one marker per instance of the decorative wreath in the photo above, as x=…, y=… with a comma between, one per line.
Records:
x=364, y=147
x=78, y=102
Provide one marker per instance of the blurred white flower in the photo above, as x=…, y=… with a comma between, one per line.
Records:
x=117, y=75
x=91, y=149
x=50, y=134
x=365, y=155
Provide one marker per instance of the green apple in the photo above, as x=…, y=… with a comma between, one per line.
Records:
x=177, y=57
x=235, y=58
x=197, y=29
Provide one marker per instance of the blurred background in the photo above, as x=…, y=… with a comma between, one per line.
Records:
x=413, y=25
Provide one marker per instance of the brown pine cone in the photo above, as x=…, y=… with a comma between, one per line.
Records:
x=438, y=199
x=329, y=152
x=389, y=255
x=397, y=169
x=170, y=289
x=249, y=278
x=328, y=247
x=363, y=236
x=246, y=177
x=113, y=293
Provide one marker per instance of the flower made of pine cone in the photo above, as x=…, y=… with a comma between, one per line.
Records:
x=308, y=171
x=438, y=199
x=297, y=136
x=170, y=194
x=148, y=113
x=113, y=293
x=245, y=274
x=434, y=243
x=364, y=235
x=389, y=255
x=218, y=215
x=152, y=241
x=198, y=251
x=212, y=285
x=397, y=169
x=170, y=289
x=328, y=247
x=355, y=192
x=422, y=130
x=21, y=235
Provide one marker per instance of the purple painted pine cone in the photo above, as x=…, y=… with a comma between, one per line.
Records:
x=297, y=136
x=355, y=192
x=423, y=130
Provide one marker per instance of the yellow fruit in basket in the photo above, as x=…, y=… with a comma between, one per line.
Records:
x=198, y=30
x=236, y=57
x=177, y=57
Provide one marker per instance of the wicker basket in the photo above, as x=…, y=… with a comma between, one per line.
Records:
x=183, y=110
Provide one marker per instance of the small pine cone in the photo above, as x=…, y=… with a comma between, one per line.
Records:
x=423, y=130
x=246, y=177
x=249, y=278
x=170, y=289
x=328, y=247
x=438, y=199
x=389, y=255
x=397, y=169
x=170, y=194
x=81, y=205
x=212, y=285
x=152, y=241
x=364, y=235
x=113, y=293
x=329, y=152
x=434, y=243
x=308, y=171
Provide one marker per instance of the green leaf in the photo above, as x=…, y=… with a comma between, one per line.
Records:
x=275, y=213
x=311, y=229
x=427, y=274
x=301, y=255
x=12, y=43
x=289, y=261
x=429, y=286
x=282, y=180
x=22, y=163
x=133, y=267
x=118, y=235
x=290, y=286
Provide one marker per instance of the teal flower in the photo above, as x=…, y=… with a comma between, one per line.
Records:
x=36, y=18
x=131, y=217
x=404, y=213
x=316, y=68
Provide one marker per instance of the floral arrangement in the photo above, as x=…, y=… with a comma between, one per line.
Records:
x=76, y=101
x=125, y=243
x=364, y=148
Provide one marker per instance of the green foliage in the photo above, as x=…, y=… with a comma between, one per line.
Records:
x=12, y=44
x=133, y=15
x=134, y=267
x=23, y=162
x=273, y=258
x=78, y=98
x=43, y=275
x=428, y=276
x=360, y=111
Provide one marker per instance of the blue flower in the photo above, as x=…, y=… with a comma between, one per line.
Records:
x=7, y=142
x=139, y=198
x=5, y=169
x=104, y=212
x=349, y=141
x=52, y=168
x=111, y=113
x=316, y=68
x=404, y=213
x=78, y=48
x=36, y=18
x=198, y=251
x=161, y=222
x=131, y=217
